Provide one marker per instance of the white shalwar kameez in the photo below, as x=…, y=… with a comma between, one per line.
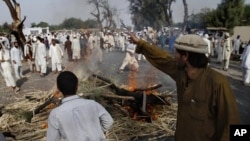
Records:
x=16, y=58
x=27, y=49
x=237, y=46
x=56, y=54
x=34, y=55
x=76, y=48
x=219, y=50
x=111, y=43
x=245, y=58
x=41, y=56
x=121, y=42
x=130, y=59
x=205, y=38
x=226, y=53
x=6, y=68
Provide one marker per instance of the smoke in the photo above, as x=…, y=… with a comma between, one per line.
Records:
x=84, y=68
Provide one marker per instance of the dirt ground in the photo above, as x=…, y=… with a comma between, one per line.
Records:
x=147, y=75
x=109, y=67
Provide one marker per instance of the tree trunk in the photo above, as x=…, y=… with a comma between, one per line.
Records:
x=185, y=19
x=17, y=24
x=98, y=14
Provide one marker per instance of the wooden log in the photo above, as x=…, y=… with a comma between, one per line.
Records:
x=118, y=97
x=149, y=88
x=138, y=95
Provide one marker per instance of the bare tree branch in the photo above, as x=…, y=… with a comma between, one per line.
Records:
x=12, y=9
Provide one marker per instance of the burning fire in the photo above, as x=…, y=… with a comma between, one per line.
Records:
x=132, y=85
x=56, y=95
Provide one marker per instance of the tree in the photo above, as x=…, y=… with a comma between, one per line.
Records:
x=90, y=23
x=108, y=14
x=72, y=23
x=42, y=24
x=33, y=25
x=155, y=13
x=206, y=17
x=5, y=27
x=97, y=15
x=245, y=20
x=185, y=19
x=230, y=12
x=103, y=12
x=17, y=25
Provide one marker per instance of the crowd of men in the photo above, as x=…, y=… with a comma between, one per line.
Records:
x=222, y=47
x=41, y=49
x=192, y=56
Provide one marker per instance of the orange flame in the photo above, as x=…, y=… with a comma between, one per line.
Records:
x=132, y=81
x=45, y=125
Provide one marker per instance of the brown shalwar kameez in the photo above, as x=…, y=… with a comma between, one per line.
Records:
x=206, y=104
x=67, y=46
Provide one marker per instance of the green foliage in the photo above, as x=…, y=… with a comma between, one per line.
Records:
x=72, y=23
x=5, y=28
x=155, y=13
x=55, y=27
x=42, y=24
x=33, y=25
x=245, y=20
x=229, y=13
x=90, y=23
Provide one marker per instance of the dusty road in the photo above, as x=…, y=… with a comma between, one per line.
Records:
x=147, y=75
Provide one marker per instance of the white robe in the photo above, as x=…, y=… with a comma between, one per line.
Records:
x=34, y=50
x=16, y=55
x=208, y=46
x=121, y=43
x=130, y=59
x=226, y=53
x=5, y=42
x=6, y=68
x=237, y=45
x=28, y=51
x=245, y=57
x=219, y=49
x=55, y=53
x=245, y=64
x=76, y=48
x=40, y=56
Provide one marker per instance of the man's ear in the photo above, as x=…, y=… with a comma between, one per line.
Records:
x=185, y=57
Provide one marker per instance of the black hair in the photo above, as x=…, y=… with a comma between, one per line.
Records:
x=197, y=60
x=67, y=83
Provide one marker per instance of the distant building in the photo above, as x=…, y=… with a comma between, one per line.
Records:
x=243, y=31
x=35, y=30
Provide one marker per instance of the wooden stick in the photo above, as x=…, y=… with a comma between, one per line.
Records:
x=118, y=97
x=150, y=88
x=124, y=111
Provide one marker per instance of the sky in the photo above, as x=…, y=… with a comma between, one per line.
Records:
x=55, y=11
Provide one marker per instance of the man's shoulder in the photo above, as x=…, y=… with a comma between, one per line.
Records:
x=216, y=76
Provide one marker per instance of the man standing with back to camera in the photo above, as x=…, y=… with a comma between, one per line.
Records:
x=76, y=119
x=206, y=104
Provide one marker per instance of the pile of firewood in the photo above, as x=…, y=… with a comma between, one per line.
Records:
x=19, y=121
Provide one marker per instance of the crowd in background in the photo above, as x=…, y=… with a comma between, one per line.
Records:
x=40, y=50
